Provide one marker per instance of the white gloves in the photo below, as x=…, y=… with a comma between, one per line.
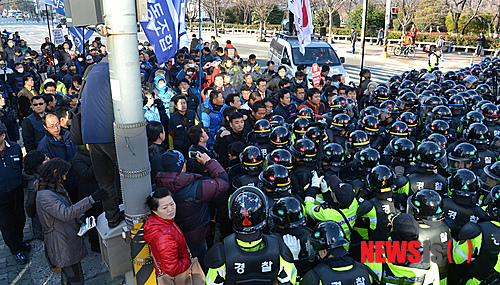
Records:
x=315, y=180
x=324, y=186
x=293, y=244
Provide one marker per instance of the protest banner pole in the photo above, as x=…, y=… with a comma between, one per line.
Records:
x=198, y=78
x=363, y=29
x=48, y=22
x=130, y=131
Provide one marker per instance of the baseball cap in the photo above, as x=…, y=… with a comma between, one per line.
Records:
x=343, y=192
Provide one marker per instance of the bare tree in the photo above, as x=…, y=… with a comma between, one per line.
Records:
x=191, y=12
x=407, y=9
x=489, y=14
x=457, y=8
x=245, y=7
x=332, y=6
x=263, y=8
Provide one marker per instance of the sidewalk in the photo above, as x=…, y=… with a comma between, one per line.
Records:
x=37, y=270
x=451, y=61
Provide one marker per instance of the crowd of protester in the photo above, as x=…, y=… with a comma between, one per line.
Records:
x=414, y=156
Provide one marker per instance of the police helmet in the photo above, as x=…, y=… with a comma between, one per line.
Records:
x=438, y=139
x=370, y=125
x=280, y=137
x=490, y=112
x=410, y=119
x=464, y=186
x=333, y=154
x=300, y=127
x=339, y=104
x=456, y=102
x=490, y=177
x=367, y=159
x=399, y=130
x=439, y=127
x=304, y=149
x=251, y=159
x=477, y=133
x=401, y=149
x=280, y=156
x=307, y=113
x=327, y=235
x=428, y=154
x=381, y=179
x=426, y=205
x=341, y=122
x=464, y=156
x=277, y=120
x=314, y=133
x=275, y=177
x=262, y=129
x=287, y=213
x=357, y=140
x=248, y=210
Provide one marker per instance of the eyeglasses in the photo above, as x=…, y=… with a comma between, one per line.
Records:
x=57, y=125
x=38, y=104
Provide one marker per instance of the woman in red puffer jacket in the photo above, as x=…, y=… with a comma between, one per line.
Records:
x=164, y=237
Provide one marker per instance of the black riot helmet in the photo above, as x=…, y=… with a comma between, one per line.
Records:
x=410, y=119
x=429, y=104
x=333, y=154
x=477, y=133
x=327, y=235
x=262, y=129
x=421, y=86
x=339, y=104
x=428, y=154
x=275, y=177
x=341, y=122
x=441, y=113
x=471, y=118
x=493, y=201
x=314, y=134
x=307, y=113
x=447, y=84
x=367, y=159
x=439, y=127
x=248, y=210
x=280, y=137
x=387, y=109
x=484, y=90
x=398, y=130
x=370, y=125
x=395, y=78
x=304, y=149
x=439, y=74
x=438, y=139
x=372, y=110
x=408, y=84
x=280, y=156
x=456, y=102
x=277, y=120
x=464, y=156
x=450, y=92
x=426, y=205
x=429, y=77
x=435, y=88
x=460, y=88
x=402, y=150
x=287, y=213
x=450, y=75
x=356, y=141
x=464, y=186
x=381, y=93
x=407, y=101
x=490, y=112
x=381, y=179
x=251, y=159
x=300, y=127
x=394, y=88
x=490, y=177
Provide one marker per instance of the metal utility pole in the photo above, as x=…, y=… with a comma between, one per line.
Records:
x=363, y=29
x=130, y=132
x=198, y=76
x=386, y=28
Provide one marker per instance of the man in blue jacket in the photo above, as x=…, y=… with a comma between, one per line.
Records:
x=12, y=198
x=211, y=115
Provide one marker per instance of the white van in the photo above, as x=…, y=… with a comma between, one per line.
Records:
x=284, y=50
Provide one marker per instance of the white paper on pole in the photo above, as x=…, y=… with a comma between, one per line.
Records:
x=58, y=36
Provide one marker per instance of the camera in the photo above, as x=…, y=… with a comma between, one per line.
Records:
x=192, y=154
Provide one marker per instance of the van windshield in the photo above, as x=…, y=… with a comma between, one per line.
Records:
x=320, y=55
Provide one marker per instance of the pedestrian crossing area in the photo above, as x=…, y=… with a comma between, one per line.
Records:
x=380, y=72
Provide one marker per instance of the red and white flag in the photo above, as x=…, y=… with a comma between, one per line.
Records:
x=301, y=10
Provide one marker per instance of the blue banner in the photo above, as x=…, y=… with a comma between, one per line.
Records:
x=76, y=33
x=166, y=29
x=58, y=5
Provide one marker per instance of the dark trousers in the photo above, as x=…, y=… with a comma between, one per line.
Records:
x=199, y=250
x=12, y=219
x=104, y=161
x=72, y=275
x=380, y=41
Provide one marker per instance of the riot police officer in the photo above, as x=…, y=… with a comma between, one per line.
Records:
x=477, y=134
x=262, y=134
x=427, y=157
x=426, y=206
x=405, y=228
x=333, y=159
x=489, y=178
x=373, y=223
x=460, y=208
x=327, y=240
x=304, y=152
x=252, y=163
x=280, y=138
x=249, y=255
x=339, y=129
x=288, y=216
x=464, y=156
x=355, y=172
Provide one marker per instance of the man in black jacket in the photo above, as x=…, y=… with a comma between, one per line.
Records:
x=179, y=124
x=284, y=108
x=33, y=130
x=8, y=118
x=258, y=113
x=156, y=146
x=198, y=138
x=236, y=128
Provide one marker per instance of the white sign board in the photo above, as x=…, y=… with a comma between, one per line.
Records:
x=58, y=36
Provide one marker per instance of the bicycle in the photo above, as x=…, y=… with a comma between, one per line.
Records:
x=407, y=51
